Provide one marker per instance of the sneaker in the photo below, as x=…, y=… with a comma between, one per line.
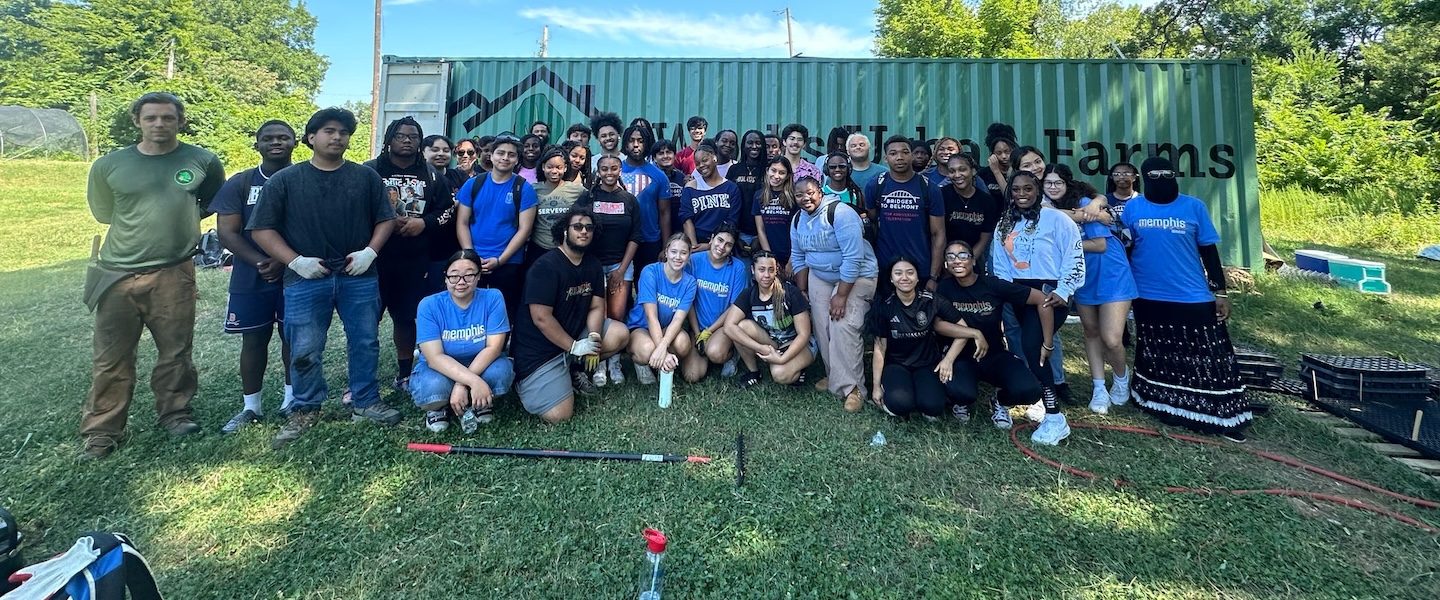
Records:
x=582, y=384
x=799, y=381
x=644, y=374
x=823, y=385
x=729, y=368
x=1062, y=394
x=961, y=413
x=401, y=384
x=181, y=427
x=245, y=419
x=1120, y=390
x=437, y=420
x=485, y=415
x=295, y=426
x=1000, y=415
x=930, y=418
x=1234, y=436
x=854, y=401
x=617, y=375
x=1053, y=429
x=599, y=378
x=378, y=412
x=748, y=380
x=1036, y=412
x=1100, y=401
x=96, y=448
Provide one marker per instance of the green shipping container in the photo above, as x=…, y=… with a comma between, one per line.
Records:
x=1087, y=114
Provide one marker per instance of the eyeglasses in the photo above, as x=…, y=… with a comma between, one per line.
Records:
x=467, y=278
x=582, y=226
x=1122, y=175
x=1160, y=174
x=464, y=153
x=957, y=256
x=1054, y=184
x=406, y=137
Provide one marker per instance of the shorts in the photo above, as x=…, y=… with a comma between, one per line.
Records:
x=402, y=286
x=249, y=311
x=547, y=387
x=629, y=271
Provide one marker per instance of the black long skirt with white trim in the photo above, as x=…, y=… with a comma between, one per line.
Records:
x=1185, y=371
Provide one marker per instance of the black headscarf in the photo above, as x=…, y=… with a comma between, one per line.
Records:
x=1163, y=190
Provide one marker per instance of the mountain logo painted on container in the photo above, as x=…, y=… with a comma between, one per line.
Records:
x=582, y=97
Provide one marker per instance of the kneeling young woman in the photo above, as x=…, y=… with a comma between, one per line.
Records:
x=462, y=333
x=770, y=322
x=910, y=374
x=980, y=300
x=657, y=322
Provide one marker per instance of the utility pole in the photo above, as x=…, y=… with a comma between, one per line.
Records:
x=544, y=41
x=789, y=36
x=170, y=62
x=375, y=84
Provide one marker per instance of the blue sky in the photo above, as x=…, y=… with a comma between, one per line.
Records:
x=463, y=28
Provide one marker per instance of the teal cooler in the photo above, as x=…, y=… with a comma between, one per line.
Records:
x=1363, y=275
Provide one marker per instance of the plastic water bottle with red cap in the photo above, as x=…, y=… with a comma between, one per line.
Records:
x=652, y=572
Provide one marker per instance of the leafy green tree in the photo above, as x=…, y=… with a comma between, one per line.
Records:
x=927, y=28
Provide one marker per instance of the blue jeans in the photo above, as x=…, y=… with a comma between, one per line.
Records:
x=428, y=386
x=309, y=305
x=1013, y=337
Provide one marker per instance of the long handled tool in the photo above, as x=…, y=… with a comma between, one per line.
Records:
x=448, y=449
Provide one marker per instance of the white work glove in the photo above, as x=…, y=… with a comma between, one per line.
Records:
x=358, y=262
x=584, y=346
x=309, y=267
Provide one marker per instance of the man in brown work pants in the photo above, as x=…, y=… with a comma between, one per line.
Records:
x=150, y=194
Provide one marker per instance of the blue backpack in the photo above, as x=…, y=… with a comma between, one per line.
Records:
x=100, y=566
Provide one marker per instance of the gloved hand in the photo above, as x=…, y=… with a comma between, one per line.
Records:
x=584, y=347
x=701, y=339
x=309, y=267
x=592, y=361
x=358, y=262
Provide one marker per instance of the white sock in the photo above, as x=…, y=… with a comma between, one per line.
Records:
x=252, y=402
x=1122, y=378
x=1099, y=384
x=289, y=397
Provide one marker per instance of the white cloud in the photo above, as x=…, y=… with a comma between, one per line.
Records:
x=712, y=34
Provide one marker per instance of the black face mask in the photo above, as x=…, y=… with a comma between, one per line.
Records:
x=1162, y=190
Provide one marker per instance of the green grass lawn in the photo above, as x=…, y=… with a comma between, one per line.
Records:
x=944, y=510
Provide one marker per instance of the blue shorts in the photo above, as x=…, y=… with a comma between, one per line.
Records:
x=250, y=311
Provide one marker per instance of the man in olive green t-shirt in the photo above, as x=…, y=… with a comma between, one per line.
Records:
x=152, y=196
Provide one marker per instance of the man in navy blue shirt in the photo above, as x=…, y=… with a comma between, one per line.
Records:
x=257, y=299
x=910, y=214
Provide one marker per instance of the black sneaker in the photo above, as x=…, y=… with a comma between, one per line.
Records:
x=1234, y=436
x=401, y=384
x=747, y=380
x=580, y=380
x=245, y=419
x=799, y=381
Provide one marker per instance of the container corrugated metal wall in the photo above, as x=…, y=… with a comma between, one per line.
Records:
x=1087, y=114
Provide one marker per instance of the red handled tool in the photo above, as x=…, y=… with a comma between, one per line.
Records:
x=448, y=449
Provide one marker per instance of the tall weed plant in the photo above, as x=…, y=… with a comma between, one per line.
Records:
x=1378, y=220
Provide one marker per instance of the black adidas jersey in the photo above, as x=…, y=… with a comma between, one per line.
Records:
x=910, y=329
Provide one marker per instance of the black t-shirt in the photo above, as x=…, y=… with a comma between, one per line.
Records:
x=618, y=215
x=994, y=186
x=763, y=312
x=980, y=304
x=967, y=218
x=749, y=178
x=910, y=329
x=567, y=289
x=443, y=240
x=324, y=214
x=413, y=193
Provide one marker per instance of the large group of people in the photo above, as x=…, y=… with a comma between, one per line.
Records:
x=527, y=267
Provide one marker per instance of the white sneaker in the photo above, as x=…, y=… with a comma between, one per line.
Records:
x=598, y=378
x=961, y=413
x=617, y=376
x=1120, y=390
x=1100, y=401
x=1036, y=412
x=644, y=374
x=1053, y=429
x=437, y=420
x=729, y=369
x=1001, y=415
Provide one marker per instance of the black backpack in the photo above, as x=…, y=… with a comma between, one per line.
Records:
x=210, y=254
x=517, y=184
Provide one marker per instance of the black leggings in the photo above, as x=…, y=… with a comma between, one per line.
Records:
x=509, y=279
x=908, y=390
x=1015, y=382
x=1032, y=338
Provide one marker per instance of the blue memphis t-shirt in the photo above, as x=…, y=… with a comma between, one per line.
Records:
x=1166, y=259
x=238, y=197
x=707, y=209
x=667, y=296
x=718, y=288
x=495, y=214
x=461, y=331
x=648, y=184
x=904, y=218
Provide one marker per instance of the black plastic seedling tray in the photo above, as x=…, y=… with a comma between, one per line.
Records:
x=1394, y=422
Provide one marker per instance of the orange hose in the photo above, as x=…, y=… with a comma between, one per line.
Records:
x=1285, y=460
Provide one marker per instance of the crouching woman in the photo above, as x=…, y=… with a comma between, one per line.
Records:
x=462, y=333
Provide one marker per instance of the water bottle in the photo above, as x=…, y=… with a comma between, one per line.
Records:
x=652, y=572
x=878, y=440
x=667, y=385
x=469, y=422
